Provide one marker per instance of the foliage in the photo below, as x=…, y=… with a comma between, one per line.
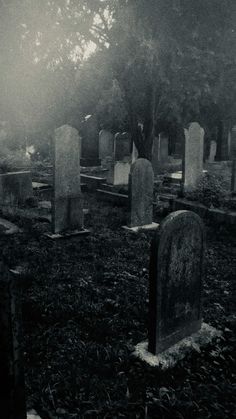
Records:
x=209, y=191
x=11, y=160
x=173, y=61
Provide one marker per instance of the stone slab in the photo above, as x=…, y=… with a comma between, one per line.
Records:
x=169, y=358
x=7, y=228
x=67, y=234
x=139, y=229
x=118, y=199
x=32, y=414
x=40, y=185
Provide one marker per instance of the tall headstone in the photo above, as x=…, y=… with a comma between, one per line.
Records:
x=67, y=208
x=155, y=154
x=233, y=144
x=193, y=156
x=106, y=145
x=141, y=184
x=90, y=140
x=120, y=165
x=233, y=177
x=212, y=153
x=176, y=271
x=122, y=147
x=12, y=395
x=160, y=151
x=163, y=147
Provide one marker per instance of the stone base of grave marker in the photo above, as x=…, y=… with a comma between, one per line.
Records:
x=67, y=212
x=67, y=234
x=32, y=415
x=139, y=229
x=170, y=357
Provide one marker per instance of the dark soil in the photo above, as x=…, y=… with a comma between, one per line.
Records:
x=85, y=306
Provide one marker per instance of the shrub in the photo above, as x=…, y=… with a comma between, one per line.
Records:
x=209, y=191
x=11, y=160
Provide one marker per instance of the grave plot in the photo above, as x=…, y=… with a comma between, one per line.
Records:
x=85, y=308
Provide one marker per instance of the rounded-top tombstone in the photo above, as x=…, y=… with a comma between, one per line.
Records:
x=67, y=208
x=141, y=183
x=193, y=156
x=176, y=271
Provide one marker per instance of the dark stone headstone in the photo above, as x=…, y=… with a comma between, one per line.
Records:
x=12, y=394
x=212, y=153
x=90, y=131
x=15, y=188
x=233, y=177
x=67, y=207
x=233, y=144
x=176, y=270
x=106, y=145
x=141, y=183
x=122, y=147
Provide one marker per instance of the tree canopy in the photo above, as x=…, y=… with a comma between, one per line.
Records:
x=170, y=60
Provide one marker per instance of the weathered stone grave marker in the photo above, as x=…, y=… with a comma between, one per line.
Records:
x=15, y=188
x=141, y=184
x=212, y=153
x=67, y=204
x=90, y=143
x=176, y=271
x=12, y=395
x=120, y=165
x=233, y=177
x=175, y=297
x=160, y=151
x=122, y=146
x=106, y=145
x=233, y=157
x=193, y=156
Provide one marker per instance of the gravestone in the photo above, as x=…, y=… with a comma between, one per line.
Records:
x=141, y=184
x=15, y=188
x=118, y=173
x=176, y=271
x=155, y=155
x=12, y=395
x=106, y=145
x=212, y=153
x=233, y=144
x=119, y=166
x=90, y=140
x=163, y=147
x=67, y=209
x=193, y=156
x=122, y=147
x=233, y=177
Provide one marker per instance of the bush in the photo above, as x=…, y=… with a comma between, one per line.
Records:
x=11, y=160
x=209, y=191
